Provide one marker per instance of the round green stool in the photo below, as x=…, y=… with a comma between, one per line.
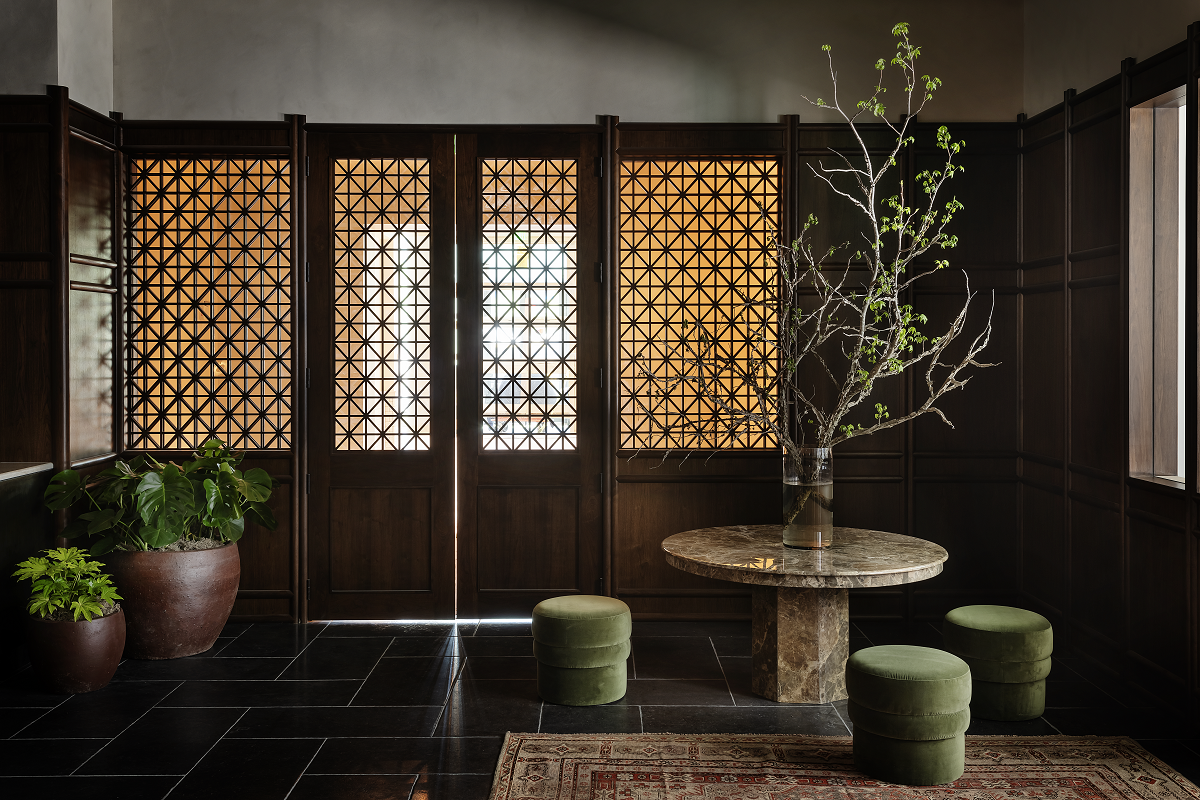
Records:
x=581, y=643
x=1008, y=650
x=911, y=709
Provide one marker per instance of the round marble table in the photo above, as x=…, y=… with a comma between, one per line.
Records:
x=799, y=597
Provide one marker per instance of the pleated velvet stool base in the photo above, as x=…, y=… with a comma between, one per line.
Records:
x=909, y=706
x=581, y=643
x=589, y=686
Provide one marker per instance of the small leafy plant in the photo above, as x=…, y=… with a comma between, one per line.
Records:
x=66, y=579
x=144, y=504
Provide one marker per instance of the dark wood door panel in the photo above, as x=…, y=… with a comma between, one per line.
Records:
x=380, y=540
x=528, y=538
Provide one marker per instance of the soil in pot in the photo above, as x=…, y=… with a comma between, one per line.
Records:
x=176, y=603
x=74, y=657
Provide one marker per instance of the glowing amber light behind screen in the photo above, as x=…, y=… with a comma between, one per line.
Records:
x=693, y=247
x=208, y=326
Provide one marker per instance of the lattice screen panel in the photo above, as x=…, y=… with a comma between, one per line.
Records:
x=208, y=327
x=694, y=249
x=529, y=304
x=381, y=304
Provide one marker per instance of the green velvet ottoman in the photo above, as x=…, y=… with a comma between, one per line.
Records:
x=1008, y=650
x=911, y=708
x=581, y=643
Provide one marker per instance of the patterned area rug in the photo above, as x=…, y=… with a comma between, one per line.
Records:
x=539, y=766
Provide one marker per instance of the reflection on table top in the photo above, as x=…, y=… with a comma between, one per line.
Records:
x=755, y=554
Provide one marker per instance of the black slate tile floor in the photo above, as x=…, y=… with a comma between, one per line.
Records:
x=418, y=711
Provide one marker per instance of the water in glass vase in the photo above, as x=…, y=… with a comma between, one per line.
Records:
x=808, y=515
x=808, y=498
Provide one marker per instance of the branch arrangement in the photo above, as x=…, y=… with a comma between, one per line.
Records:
x=795, y=358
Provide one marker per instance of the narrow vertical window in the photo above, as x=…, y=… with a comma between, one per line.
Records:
x=208, y=326
x=529, y=304
x=694, y=250
x=381, y=282
x=1157, y=185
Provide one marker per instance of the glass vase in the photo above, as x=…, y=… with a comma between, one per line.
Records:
x=808, y=498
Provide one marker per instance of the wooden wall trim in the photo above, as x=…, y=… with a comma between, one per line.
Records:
x=60, y=271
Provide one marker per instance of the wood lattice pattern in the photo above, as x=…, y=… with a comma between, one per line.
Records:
x=381, y=253
x=694, y=250
x=208, y=320
x=529, y=304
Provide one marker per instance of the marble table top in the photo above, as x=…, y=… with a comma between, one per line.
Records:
x=755, y=554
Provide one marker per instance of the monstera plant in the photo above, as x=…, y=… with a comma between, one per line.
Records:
x=171, y=531
x=144, y=504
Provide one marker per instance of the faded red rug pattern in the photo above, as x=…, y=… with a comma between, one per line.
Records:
x=543, y=766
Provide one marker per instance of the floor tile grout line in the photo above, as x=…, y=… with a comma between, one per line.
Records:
x=845, y=724
x=303, y=649
x=303, y=771
x=212, y=747
x=233, y=639
x=127, y=727
x=541, y=712
x=39, y=717
x=721, y=667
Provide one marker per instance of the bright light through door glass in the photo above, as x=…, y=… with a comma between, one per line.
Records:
x=529, y=305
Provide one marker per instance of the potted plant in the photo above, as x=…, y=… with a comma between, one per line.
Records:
x=171, y=531
x=76, y=627
x=795, y=356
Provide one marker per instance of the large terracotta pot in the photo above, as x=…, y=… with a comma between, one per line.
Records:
x=176, y=603
x=74, y=657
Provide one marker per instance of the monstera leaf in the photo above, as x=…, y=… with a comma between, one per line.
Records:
x=65, y=488
x=166, y=502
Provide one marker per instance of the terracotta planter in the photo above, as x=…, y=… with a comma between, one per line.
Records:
x=74, y=657
x=176, y=603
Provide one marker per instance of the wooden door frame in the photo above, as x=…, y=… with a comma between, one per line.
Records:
x=585, y=143
x=432, y=469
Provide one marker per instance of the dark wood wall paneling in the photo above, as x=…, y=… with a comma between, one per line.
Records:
x=271, y=560
x=961, y=482
x=27, y=276
x=925, y=478
x=1111, y=559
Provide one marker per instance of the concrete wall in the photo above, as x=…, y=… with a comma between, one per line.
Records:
x=546, y=61
x=85, y=52
x=1075, y=44
x=61, y=43
x=29, y=57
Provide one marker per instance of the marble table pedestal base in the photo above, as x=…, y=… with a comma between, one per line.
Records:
x=801, y=643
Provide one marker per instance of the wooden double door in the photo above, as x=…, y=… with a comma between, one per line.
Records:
x=454, y=386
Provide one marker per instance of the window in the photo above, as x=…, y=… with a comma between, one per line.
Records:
x=1157, y=134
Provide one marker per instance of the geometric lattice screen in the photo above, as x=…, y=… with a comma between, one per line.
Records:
x=208, y=327
x=529, y=304
x=693, y=248
x=381, y=278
